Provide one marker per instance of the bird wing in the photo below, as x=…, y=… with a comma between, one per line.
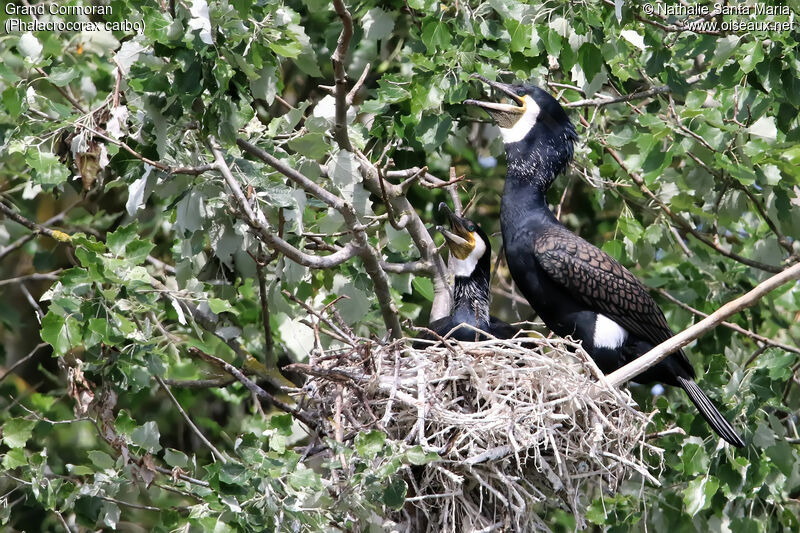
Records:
x=601, y=283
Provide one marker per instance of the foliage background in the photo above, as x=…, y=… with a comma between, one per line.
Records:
x=693, y=184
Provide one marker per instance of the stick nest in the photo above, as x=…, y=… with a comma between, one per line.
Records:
x=516, y=423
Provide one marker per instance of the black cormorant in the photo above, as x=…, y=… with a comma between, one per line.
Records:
x=470, y=262
x=574, y=287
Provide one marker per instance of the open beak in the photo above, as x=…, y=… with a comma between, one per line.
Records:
x=505, y=115
x=458, y=238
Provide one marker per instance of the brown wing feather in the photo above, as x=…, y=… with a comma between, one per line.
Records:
x=600, y=282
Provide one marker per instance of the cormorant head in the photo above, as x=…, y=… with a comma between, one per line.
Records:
x=469, y=245
x=537, y=133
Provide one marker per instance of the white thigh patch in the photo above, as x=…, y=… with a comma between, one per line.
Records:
x=607, y=333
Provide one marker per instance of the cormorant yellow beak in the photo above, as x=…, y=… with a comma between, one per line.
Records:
x=459, y=239
x=505, y=115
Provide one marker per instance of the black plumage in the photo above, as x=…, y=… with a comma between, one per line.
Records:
x=470, y=262
x=574, y=287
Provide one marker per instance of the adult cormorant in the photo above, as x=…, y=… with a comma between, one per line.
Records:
x=470, y=262
x=574, y=287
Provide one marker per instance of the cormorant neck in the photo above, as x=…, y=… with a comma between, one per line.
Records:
x=471, y=298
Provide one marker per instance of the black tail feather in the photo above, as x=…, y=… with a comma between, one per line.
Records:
x=712, y=415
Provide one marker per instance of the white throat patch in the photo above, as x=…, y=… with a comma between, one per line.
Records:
x=464, y=267
x=607, y=333
x=518, y=131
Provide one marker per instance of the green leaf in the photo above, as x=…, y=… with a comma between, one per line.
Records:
x=369, y=444
x=631, y=228
x=697, y=495
x=61, y=76
x=424, y=287
x=311, y=145
x=435, y=35
x=752, y=54
x=218, y=306
x=48, y=170
x=15, y=457
x=17, y=431
x=394, y=495
x=377, y=24
x=416, y=456
x=283, y=423
x=432, y=131
x=101, y=460
x=147, y=436
x=62, y=334
x=117, y=240
x=176, y=458
x=13, y=99
x=764, y=128
x=590, y=59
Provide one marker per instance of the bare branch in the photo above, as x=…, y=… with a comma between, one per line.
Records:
x=274, y=241
x=358, y=246
x=200, y=383
x=255, y=389
x=686, y=336
x=680, y=221
x=60, y=236
x=340, y=124
x=416, y=229
x=22, y=361
x=352, y=94
x=194, y=428
x=414, y=267
x=299, y=179
x=48, y=276
x=735, y=327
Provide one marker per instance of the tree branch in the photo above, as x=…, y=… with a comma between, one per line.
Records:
x=273, y=241
x=194, y=428
x=442, y=292
x=658, y=353
x=684, y=225
x=255, y=389
x=735, y=327
x=340, y=124
x=358, y=246
x=57, y=235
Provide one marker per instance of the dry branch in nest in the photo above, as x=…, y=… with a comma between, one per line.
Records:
x=516, y=423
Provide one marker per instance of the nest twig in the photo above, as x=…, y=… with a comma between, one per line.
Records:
x=516, y=423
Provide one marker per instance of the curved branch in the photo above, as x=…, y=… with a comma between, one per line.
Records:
x=272, y=240
x=359, y=245
x=442, y=292
x=639, y=365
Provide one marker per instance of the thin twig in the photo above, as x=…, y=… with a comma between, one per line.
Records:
x=77, y=105
x=22, y=361
x=36, y=276
x=57, y=235
x=192, y=425
x=352, y=94
x=255, y=389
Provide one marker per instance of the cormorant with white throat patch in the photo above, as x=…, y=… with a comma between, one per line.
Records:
x=470, y=262
x=574, y=287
